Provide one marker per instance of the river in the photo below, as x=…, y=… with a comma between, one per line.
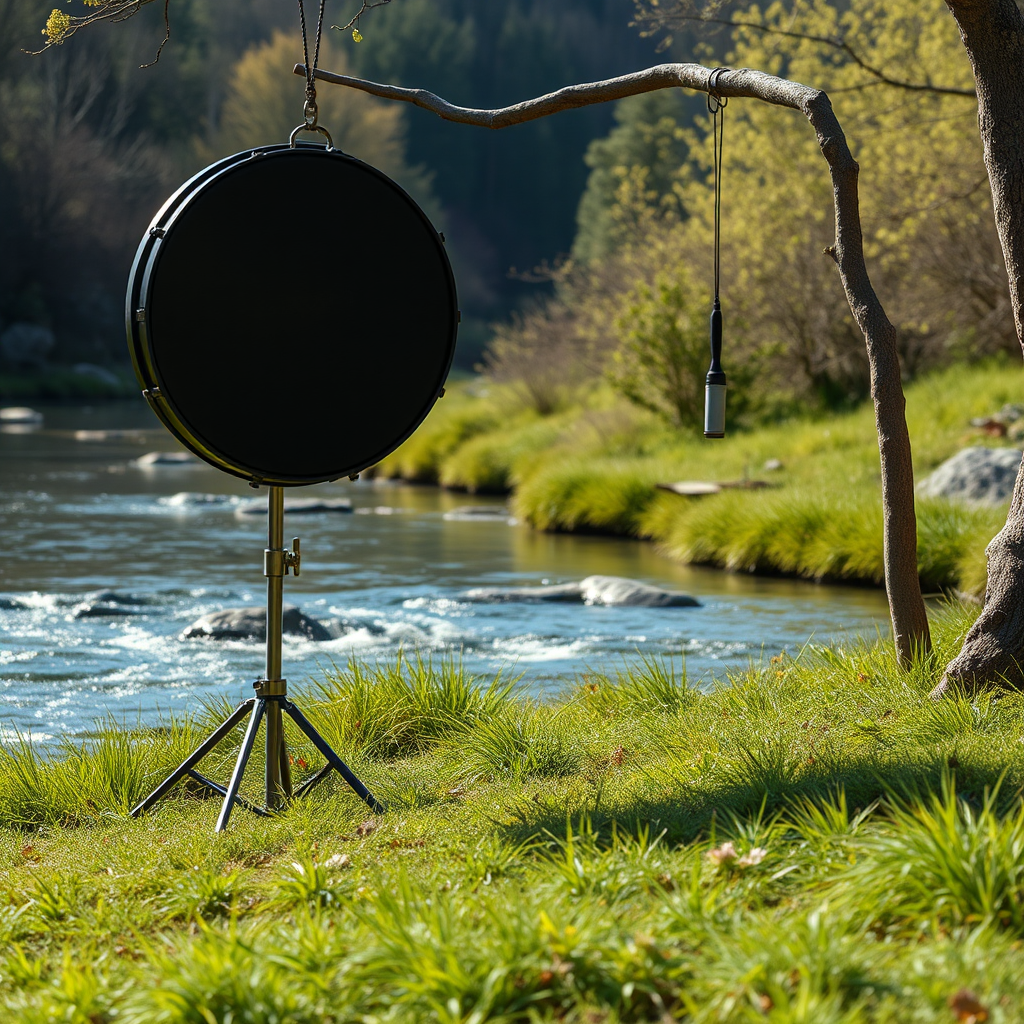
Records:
x=78, y=517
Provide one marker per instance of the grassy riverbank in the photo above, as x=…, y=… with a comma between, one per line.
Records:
x=595, y=467
x=566, y=860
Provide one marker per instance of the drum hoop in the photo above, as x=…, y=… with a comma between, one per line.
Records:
x=145, y=267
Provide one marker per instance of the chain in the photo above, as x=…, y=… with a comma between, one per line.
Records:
x=716, y=104
x=309, y=109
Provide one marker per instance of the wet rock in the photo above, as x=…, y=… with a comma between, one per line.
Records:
x=101, y=610
x=109, y=604
x=339, y=627
x=614, y=591
x=478, y=513
x=251, y=624
x=299, y=506
x=151, y=459
x=975, y=476
x=195, y=498
x=8, y=604
x=20, y=415
x=109, y=435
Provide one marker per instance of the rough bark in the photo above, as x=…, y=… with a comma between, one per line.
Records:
x=906, y=606
x=993, y=35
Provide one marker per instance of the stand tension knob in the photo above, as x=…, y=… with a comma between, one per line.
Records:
x=277, y=561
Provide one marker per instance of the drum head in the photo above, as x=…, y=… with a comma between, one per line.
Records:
x=291, y=315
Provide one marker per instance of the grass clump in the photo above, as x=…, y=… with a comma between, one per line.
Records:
x=812, y=839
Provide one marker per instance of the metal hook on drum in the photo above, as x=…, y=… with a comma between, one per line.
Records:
x=304, y=127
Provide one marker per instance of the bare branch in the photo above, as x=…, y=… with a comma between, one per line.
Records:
x=837, y=43
x=902, y=584
x=366, y=5
x=745, y=82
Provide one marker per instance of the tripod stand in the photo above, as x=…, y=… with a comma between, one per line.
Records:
x=271, y=703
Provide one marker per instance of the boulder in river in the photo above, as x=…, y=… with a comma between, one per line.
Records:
x=180, y=459
x=478, y=513
x=299, y=506
x=109, y=604
x=20, y=415
x=251, y=624
x=975, y=476
x=616, y=591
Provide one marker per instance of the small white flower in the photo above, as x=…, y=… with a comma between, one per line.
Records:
x=756, y=855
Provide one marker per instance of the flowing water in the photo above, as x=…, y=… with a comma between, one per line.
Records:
x=78, y=517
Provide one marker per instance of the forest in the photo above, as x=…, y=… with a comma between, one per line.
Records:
x=90, y=143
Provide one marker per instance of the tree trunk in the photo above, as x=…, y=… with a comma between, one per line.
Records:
x=902, y=584
x=993, y=34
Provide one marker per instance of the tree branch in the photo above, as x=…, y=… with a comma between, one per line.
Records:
x=745, y=82
x=837, y=43
x=903, y=587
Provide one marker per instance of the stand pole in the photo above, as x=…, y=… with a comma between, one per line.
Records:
x=269, y=704
x=275, y=565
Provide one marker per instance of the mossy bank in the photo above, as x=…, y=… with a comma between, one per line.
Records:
x=813, y=840
x=595, y=466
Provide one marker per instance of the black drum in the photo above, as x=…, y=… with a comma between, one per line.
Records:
x=291, y=315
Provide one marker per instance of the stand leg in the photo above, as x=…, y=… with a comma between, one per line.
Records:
x=286, y=771
x=196, y=756
x=275, y=753
x=332, y=758
x=243, y=757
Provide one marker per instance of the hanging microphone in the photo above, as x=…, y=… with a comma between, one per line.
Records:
x=714, y=387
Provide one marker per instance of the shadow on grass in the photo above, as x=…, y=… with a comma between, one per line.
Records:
x=686, y=812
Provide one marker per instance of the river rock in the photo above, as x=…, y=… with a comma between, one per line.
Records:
x=186, y=499
x=975, y=476
x=299, y=506
x=151, y=459
x=478, y=513
x=615, y=591
x=251, y=624
x=102, y=610
x=8, y=604
x=109, y=604
x=19, y=414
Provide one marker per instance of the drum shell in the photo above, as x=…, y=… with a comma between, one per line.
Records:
x=395, y=412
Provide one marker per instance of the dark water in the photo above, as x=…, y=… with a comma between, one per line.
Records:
x=76, y=517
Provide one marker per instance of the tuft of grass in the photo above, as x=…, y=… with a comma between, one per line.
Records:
x=596, y=496
x=404, y=706
x=519, y=743
x=946, y=858
x=456, y=419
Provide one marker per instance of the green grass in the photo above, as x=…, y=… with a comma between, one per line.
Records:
x=595, y=468
x=813, y=840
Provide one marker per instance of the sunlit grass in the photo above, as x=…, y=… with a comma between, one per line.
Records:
x=812, y=839
x=595, y=468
